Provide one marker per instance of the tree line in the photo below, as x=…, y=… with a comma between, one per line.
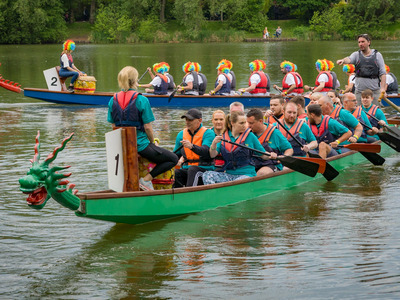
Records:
x=120, y=21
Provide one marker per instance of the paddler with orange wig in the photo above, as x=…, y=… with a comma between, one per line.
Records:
x=159, y=84
x=223, y=82
x=324, y=80
x=351, y=82
x=292, y=83
x=259, y=83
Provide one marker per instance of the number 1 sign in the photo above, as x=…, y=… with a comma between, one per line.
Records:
x=115, y=160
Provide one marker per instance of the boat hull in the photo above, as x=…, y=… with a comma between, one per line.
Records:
x=142, y=207
x=178, y=101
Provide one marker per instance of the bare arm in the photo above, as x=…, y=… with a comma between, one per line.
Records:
x=149, y=131
x=342, y=61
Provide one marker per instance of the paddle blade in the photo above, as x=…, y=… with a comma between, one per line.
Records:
x=363, y=147
x=302, y=166
x=321, y=162
x=394, y=130
x=171, y=96
x=374, y=158
x=391, y=140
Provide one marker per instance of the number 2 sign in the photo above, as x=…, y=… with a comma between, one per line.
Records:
x=52, y=79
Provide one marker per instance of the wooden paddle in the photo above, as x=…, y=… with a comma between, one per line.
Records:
x=305, y=167
x=174, y=92
x=389, y=139
x=369, y=151
x=389, y=102
x=329, y=171
x=393, y=130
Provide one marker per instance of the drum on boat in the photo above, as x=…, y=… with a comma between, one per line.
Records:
x=85, y=85
x=161, y=182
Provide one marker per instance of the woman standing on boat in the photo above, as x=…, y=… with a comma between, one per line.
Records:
x=68, y=67
x=129, y=108
x=238, y=161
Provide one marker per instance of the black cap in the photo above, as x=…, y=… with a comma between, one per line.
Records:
x=193, y=114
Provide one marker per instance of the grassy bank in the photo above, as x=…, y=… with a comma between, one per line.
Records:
x=216, y=31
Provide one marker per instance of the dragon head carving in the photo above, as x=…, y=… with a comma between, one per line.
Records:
x=42, y=182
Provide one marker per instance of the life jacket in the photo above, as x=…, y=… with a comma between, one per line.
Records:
x=191, y=158
x=357, y=114
x=262, y=86
x=271, y=120
x=328, y=85
x=195, y=81
x=367, y=67
x=298, y=81
x=163, y=88
x=334, y=80
x=322, y=134
x=264, y=139
x=226, y=87
x=295, y=131
x=234, y=156
x=171, y=82
x=302, y=116
x=124, y=111
x=393, y=88
x=233, y=82
x=218, y=160
x=372, y=111
x=202, y=86
x=70, y=61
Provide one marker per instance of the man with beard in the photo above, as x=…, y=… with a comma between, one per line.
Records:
x=275, y=109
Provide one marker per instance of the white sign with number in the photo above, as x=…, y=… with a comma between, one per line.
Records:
x=52, y=79
x=115, y=160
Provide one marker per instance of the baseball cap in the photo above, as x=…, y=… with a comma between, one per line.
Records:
x=193, y=114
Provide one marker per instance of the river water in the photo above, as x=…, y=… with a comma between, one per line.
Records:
x=320, y=240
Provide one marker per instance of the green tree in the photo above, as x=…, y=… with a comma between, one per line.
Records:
x=189, y=14
x=304, y=9
x=248, y=15
x=327, y=23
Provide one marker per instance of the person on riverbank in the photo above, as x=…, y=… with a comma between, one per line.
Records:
x=265, y=33
x=292, y=83
x=298, y=128
x=328, y=132
x=159, y=83
x=278, y=32
x=324, y=80
x=195, y=153
x=68, y=68
x=259, y=82
x=392, y=86
x=276, y=104
x=272, y=141
x=130, y=108
x=239, y=163
x=369, y=68
x=351, y=82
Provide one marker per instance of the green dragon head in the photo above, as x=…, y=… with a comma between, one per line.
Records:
x=42, y=182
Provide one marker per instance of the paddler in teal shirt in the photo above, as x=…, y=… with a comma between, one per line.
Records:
x=367, y=97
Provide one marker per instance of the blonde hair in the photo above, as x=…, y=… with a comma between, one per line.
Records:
x=218, y=111
x=127, y=78
x=232, y=118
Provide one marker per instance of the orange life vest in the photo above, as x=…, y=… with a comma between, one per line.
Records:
x=191, y=158
x=328, y=85
x=262, y=85
x=298, y=81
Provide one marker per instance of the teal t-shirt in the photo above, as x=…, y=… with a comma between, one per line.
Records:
x=208, y=138
x=379, y=113
x=252, y=142
x=143, y=105
x=365, y=120
x=336, y=129
x=346, y=117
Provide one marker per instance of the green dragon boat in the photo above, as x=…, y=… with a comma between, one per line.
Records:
x=44, y=182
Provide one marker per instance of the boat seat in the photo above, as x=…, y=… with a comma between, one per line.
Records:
x=62, y=79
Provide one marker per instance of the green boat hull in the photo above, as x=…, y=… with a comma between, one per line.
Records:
x=143, y=207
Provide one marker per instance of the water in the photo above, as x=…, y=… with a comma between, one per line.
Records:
x=319, y=240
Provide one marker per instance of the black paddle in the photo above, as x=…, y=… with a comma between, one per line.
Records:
x=302, y=166
x=147, y=70
x=389, y=139
x=330, y=172
x=393, y=130
x=369, y=151
x=174, y=92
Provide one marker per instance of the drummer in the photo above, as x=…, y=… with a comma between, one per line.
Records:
x=68, y=68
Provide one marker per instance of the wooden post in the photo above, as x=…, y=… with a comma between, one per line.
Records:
x=131, y=166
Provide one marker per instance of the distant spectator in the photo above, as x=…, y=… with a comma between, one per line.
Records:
x=265, y=33
x=278, y=32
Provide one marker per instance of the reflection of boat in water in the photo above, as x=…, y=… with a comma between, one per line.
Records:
x=135, y=207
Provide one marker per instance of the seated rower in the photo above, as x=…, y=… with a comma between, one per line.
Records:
x=218, y=121
x=350, y=104
x=324, y=80
x=343, y=116
x=292, y=83
x=231, y=75
x=335, y=80
x=195, y=154
x=171, y=83
x=259, y=82
x=223, y=82
x=191, y=80
x=334, y=95
x=392, y=86
x=299, y=129
x=238, y=160
x=300, y=103
x=236, y=106
x=367, y=96
x=351, y=81
x=68, y=68
x=275, y=109
x=328, y=132
x=272, y=141
x=159, y=83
